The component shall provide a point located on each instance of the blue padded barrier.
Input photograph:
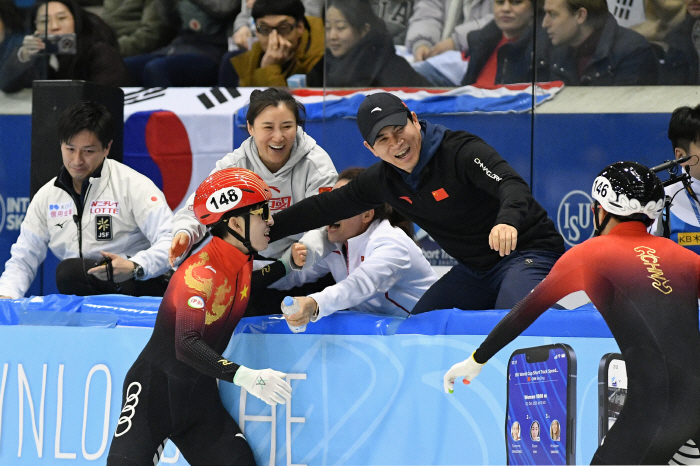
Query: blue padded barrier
(338, 323)
(584, 321)
(125, 310)
(120, 310)
(77, 311)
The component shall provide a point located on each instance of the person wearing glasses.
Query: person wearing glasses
(171, 392)
(288, 43)
(243, 26)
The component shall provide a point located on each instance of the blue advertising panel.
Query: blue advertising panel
(15, 161)
(366, 400)
(356, 400)
(60, 391)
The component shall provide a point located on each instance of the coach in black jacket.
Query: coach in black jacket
(460, 191)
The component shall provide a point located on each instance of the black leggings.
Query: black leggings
(72, 278)
(158, 406)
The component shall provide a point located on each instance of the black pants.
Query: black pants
(499, 288)
(158, 406)
(72, 278)
(661, 412)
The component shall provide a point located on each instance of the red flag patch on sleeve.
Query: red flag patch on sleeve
(440, 194)
(324, 189)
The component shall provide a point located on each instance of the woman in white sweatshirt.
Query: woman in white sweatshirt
(377, 267)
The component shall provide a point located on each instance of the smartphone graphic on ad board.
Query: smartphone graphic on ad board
(541, 411)
(612, 391)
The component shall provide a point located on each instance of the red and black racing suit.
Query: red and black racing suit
(646, 289)
(170, 392)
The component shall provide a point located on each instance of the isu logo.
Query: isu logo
(132, 399)
(575, 218)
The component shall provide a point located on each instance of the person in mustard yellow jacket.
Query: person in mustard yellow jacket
(289, 43)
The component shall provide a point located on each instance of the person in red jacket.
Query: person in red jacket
(646, 289)
(171, 390)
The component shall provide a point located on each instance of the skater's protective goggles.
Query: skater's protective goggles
(263, 211)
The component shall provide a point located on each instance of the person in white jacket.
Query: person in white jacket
(377, 267)
(95, 210)
(289, 161)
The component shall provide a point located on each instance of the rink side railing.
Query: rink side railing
(367, 390)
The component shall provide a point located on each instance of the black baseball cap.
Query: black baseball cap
(378, 111)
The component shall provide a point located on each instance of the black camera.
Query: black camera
(60, 44)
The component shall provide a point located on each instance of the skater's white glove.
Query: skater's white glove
(467, 369)
(267, 384)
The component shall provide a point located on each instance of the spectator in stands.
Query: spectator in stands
(360, 51)
(456, 188)
(395, 14)
(682, 220)
(661, 17)
(501, 52)
(681, 62)
(591, 49)
(289, 161)
(96, 57)
(289, 43)
(244, 26)
(11, 29)
(377, 267)
(95, 211)
(193, 57)
(139, 24)
(437, 26)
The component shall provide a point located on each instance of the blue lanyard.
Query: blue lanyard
(694, 205)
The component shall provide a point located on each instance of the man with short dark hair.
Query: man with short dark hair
(289, 43)
(682, 222)
(460, 191)
(591, 49)
(109, 225)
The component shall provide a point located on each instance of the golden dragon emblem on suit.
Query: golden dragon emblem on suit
(205, 286)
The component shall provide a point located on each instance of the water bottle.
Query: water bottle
(291, 306)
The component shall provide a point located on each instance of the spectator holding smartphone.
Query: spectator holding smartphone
(95, 56)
